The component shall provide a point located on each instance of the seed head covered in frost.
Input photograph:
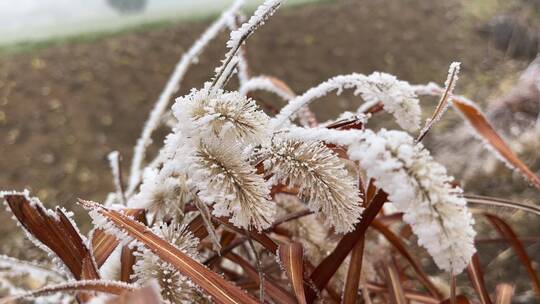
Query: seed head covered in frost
(321, 177)
(398, 98)
(162, 196)
(221, 114)
(223, 177)
(420, 187)
(174, 287)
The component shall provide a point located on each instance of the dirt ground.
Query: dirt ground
(64, 107)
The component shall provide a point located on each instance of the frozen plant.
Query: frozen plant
(239, 204)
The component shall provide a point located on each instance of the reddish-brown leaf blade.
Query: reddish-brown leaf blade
(482, 126)
(328, 267)
(291, 256)
(402, 249)
(278, 294)
(474, 270)
(507, 232)
(260, 237)
(103, 244)
(198, 228)
(127, 260)
(409, 294)
(460, 299)
(504, 294)
(55, 231)
(393, 283)
(353, 274)
(215, 286)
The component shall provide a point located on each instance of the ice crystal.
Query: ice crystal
(321, 178)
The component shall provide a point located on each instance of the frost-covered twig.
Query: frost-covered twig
(238, 37)
(172, 87)
(114, 162)
(243, 67)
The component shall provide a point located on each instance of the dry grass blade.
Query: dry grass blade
(206, 217)
(460, 299)
(146, 295)
(218, 288)
(103, 244)
(274, 291)
(261, 238)
(291, 256)
(56, 232)
(353, 274)
(393, 283)
(198, 227)
(493, 201)
(127, 260)
(393, 239)
(482, 126)
(504, 294)
(328, 267)
(410, 295)
(476, 276)
(506, 231)
(111, 287)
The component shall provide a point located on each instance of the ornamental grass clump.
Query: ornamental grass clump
(243, 206)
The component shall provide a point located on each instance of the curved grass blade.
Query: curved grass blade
(474, 270)
(393, 239)
(352, 282)
(221, 290)
(54, 230)
(493, 201)
(393, 283)
(291, 256)
(260, 237)
(460, 299)
(506, 231)
(103, 244)
(484, 129)
(278, 294)
(322, 274)
(127, 260)
(504, 294)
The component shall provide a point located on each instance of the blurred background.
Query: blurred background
(78, 78)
